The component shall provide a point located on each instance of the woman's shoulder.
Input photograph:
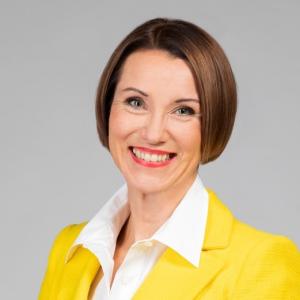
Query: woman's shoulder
(262, 252)
(246, 234)
(56, 258)
(241, 236)
(268, 263)
(64, 240)
(68, 234)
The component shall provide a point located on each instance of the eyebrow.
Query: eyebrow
(146, 95)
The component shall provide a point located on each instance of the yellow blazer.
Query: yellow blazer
(237, 262)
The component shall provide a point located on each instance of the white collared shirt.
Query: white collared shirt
(183, 231)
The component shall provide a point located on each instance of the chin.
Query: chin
(147, 185)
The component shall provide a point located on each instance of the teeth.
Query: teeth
(150, 157)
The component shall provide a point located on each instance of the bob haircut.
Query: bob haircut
(214, 79)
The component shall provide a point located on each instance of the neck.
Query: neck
(149, 211)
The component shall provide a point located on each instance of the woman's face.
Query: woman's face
(145, 116)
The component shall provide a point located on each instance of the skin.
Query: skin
(153, 193)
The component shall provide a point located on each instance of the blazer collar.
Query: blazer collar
(219, 224)
(79, 272)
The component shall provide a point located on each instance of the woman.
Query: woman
(166, 103)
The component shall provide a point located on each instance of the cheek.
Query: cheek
(115, 128)
(120, 125)
(188, 137)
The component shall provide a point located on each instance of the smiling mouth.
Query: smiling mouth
(151, 157)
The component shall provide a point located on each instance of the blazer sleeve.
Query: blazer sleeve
(271, 271)
(56, 257)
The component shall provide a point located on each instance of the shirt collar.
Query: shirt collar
(183, 231)
(100, 233)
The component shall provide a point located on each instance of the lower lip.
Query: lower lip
(151, 164)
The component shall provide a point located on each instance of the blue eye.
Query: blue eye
(135, 100)
(189, 110)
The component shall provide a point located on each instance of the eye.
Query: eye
(186, 110)
(134, 102)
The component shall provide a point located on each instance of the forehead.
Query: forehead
(152, 70)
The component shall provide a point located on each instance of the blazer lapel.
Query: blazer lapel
(173, 277)
(78, 275)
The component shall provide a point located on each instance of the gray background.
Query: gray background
(54, 171)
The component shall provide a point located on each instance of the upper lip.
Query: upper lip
(152, 151)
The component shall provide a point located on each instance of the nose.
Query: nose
(154, 130)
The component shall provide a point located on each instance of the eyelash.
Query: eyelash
(130, 99)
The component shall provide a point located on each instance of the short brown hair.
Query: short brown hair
(209, 65)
